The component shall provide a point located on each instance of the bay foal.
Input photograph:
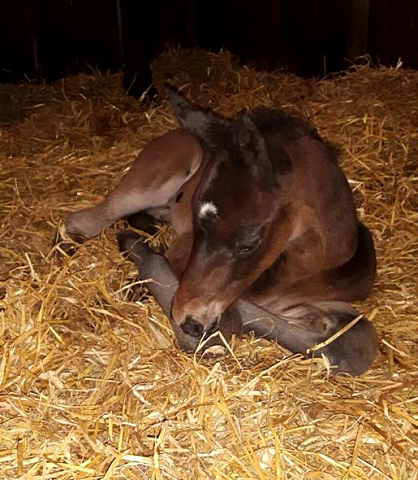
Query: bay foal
(268, 240)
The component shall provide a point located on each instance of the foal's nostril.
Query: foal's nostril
(192, 327)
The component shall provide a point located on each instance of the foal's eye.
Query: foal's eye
(243, 249)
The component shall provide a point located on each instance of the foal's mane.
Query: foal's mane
(273, 124)
(288, 127)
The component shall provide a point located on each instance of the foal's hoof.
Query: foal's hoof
(130, 243)
(132, 246)
(354, 351)
(67, 244)
(126, 239)
(144, 222)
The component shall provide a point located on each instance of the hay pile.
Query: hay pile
(91, 385)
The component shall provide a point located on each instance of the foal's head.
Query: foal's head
(241, 214)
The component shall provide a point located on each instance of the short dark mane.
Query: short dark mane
(271, 122)
(288, 127)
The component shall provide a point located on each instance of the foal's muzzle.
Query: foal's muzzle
(192, 327)
(195, 329)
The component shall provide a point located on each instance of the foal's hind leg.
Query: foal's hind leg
(153, 180)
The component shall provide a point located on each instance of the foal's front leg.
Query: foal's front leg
(164, 284)
(152, 181)
(299, 330)
(307, 328)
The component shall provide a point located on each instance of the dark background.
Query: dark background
(53, 38)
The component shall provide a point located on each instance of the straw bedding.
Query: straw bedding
(91, 383)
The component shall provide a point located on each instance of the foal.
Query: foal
(268, 240)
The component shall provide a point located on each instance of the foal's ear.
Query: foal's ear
(202, 122)
(254, 152)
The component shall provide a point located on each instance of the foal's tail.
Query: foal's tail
(333, 329)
